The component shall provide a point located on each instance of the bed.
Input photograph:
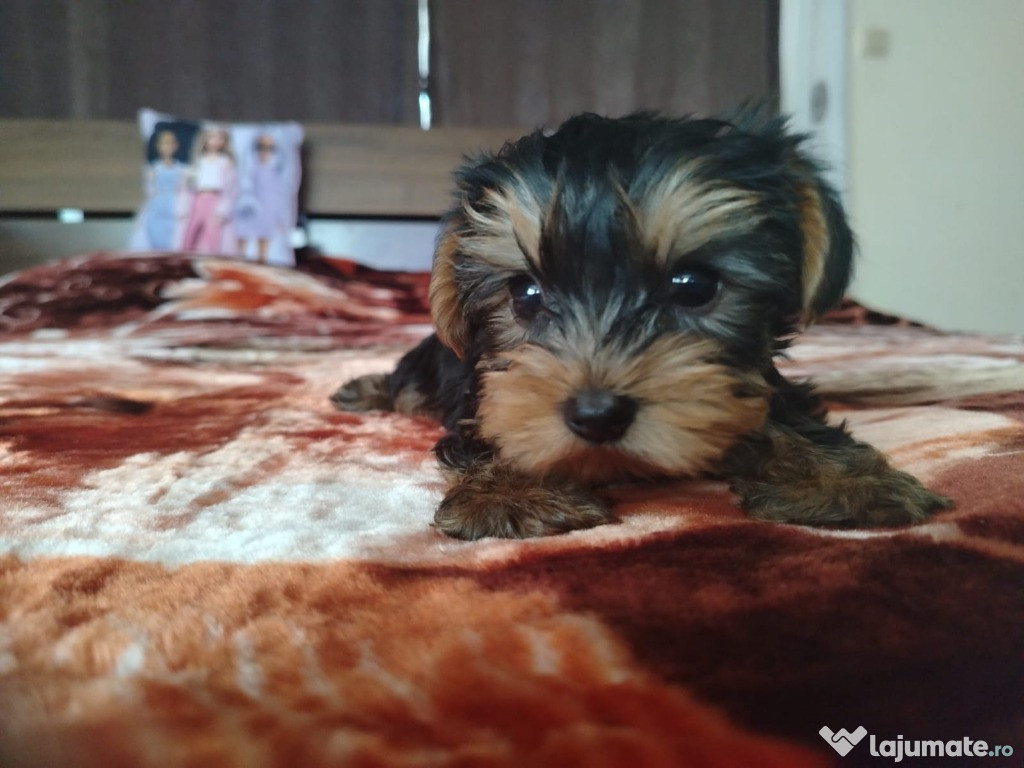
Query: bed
(203, 563)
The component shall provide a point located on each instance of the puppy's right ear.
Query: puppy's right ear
(444, 301)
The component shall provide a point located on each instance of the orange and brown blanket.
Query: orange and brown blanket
(203, 564)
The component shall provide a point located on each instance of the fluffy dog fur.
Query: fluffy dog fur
(608, 303)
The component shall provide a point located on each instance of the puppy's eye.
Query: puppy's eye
(694, 287)
(527, 298)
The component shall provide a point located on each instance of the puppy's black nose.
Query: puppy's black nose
(598, 415)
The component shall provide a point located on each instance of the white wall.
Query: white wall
(935, 173)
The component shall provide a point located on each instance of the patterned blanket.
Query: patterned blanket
(203, 564)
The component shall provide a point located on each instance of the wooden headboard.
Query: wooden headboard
(349, 170)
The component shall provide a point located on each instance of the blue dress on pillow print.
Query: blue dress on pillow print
(160, 217)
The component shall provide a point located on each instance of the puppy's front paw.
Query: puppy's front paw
(886, 497)
(490, 501)
(366, 393)
(783, 475)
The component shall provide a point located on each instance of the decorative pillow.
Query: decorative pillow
(219, 188)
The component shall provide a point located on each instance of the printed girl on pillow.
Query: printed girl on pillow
(165, 182)
(214, 183)
(160, 224)
(263, 211)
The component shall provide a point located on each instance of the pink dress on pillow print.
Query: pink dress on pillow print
(215, 185)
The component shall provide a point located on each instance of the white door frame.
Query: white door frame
(812, 77)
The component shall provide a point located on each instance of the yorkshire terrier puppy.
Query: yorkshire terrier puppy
(608, 301)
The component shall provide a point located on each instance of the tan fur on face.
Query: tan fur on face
(816, 244)
(684, 212)
(444, 297)
(504, 236)
(690, 412)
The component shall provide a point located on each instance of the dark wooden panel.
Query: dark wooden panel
(348, 61)
(533, 61)
(34, 60)
(496, 62)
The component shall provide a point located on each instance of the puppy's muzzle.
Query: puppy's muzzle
(598, 415)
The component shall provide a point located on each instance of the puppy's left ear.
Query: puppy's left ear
(828, 243)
